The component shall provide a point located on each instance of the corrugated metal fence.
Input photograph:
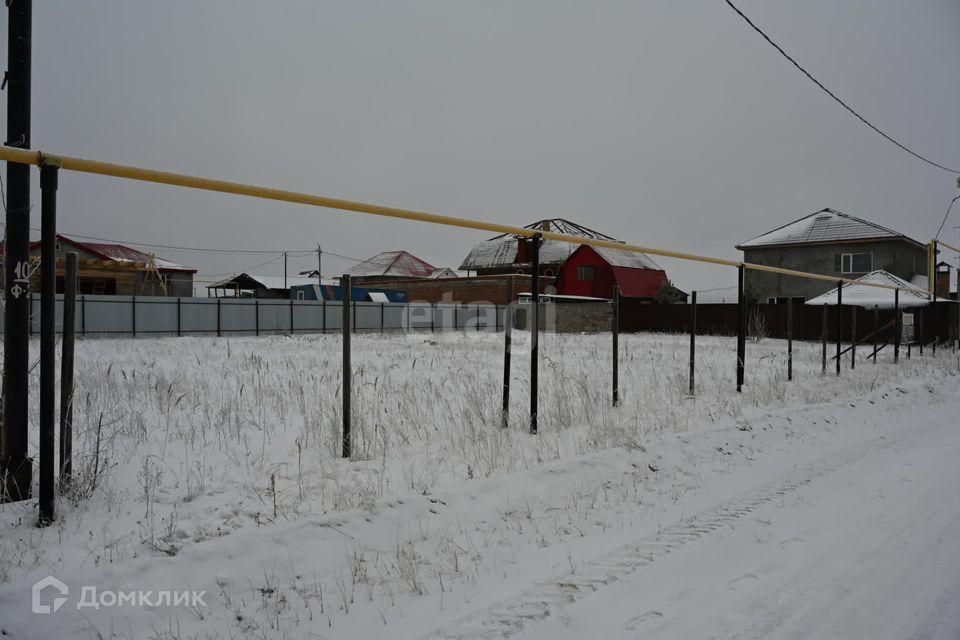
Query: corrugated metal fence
(136, 315)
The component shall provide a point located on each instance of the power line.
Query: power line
(291, 252)
(945, 216)
(176, 248)
(834, 96)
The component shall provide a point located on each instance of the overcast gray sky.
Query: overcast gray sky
(662, 123)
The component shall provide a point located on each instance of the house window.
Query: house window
(856, 262)
(585, 273)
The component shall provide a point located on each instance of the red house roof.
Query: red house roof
(114, 253)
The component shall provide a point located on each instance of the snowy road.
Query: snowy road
(830, 520)
(869, 549)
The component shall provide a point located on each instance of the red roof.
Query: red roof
(115, 253)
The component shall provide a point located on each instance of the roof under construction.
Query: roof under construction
(501, 251)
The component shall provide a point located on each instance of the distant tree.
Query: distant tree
(669, 294)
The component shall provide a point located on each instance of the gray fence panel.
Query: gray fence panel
(155, 315)
(367, 316)
(274, 316)
(101, 314)
(418, 316)
(334, 316)
(197, 315)
(394, 316)
(307, 316)
(238, 315)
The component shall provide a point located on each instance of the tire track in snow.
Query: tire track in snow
(511, 615)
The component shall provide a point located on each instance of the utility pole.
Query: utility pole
(16, 467)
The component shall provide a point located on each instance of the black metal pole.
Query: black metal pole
(291, 316)
(693, 339)
(839, 322)
(741, 328)
(823, 337)
(920, 313)
(347, 371)
(83, 316)
(876, 330)
(133, 315)
(896, 325)
(534, 332)
(933, 303)
(789, 339)
(285, 273)
(179, 318)
(66, 369)
(615, 331)
(256, 318)
(853, 337)
(48, 340)
(17, 468)
(507, 339)
(218, 318)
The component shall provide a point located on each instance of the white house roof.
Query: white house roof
(863, 296)
(623, 258)
(393, 263)
(823, 227)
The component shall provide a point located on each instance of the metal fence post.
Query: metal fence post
(133, 311)
(853, 337)
(218, 318)
(823, 336)
(693, 339)
(839, 322)
(179, 322)
(896, 326)
(291, 316)
(83, 316)
(615, 331)
(347, 371)
(381, 317)
(741, 329)
(876, 331)
(789, 339)
(535, 333)
(256, 318)
(920, 313)
(66, 369)
(933, 302)
(507, 338)
(48, 340)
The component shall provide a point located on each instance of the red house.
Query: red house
(592, 271)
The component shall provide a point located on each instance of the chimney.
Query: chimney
(942, 281)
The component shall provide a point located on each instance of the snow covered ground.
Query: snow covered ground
(821, 507)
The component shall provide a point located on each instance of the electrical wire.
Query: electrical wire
(945, 216)
(835, 97)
